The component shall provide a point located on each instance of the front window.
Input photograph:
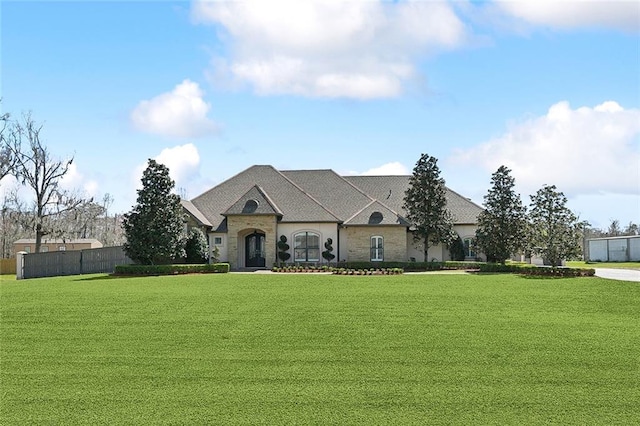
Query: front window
(377, 248)
(468, 248)
(306, 247)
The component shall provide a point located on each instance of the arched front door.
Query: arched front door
(254, 250)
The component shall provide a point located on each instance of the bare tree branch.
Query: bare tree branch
(37, 170)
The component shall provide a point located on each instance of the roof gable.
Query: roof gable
(291, 200)
(254, 202)
(194, 212)
(376, 213)
(390, 191)
(331, 190)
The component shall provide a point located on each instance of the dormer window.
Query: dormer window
(250, 206)
(375, 218)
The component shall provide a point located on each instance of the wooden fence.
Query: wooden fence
(74, 262)
(8, 266)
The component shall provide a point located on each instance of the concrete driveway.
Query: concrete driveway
(618, 274)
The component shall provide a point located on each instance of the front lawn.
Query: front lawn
(319, 349)
(615, 265)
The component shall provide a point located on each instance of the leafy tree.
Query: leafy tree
(154, 227)
(283, 248)
(327, 254)
(554, 228)
(196, 247)
(456, 249)
(36, 169)
(426, 204)
(502, 225)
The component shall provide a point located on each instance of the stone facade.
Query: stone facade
(359, 237)
(242, 225)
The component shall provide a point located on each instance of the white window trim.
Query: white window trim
(307, 233)
(379, 251)
(468, 250)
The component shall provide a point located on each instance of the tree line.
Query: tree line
(547, 228)
(51, 211)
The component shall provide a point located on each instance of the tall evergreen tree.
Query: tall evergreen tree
(426, 204)
(196, 247)
(154, 227)
(554, 229)
(502, 225)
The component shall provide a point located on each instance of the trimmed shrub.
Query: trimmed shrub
(171, 269)
(328, 253)
(283, 248)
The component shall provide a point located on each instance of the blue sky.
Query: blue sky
(550, 89)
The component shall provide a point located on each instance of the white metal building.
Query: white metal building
(615, 249)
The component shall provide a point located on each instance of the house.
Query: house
(246, 215)
(29, 244)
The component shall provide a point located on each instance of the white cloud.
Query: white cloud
(581, 151)
(389, 169)
(73, 180)
(183, 162)
(331, 49)
(568, 14)
(181, 113)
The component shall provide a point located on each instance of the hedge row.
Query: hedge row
(302, 268)
(171, 269)
(513, 268)
(532, 270)
(410, 266)
(371, 271)
(337, 271)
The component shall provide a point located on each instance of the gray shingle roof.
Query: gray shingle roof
(376, 213)
(293, 202)
(330, 189)
(193, 211)
(316, 196)
(390, 190)
(255, 202)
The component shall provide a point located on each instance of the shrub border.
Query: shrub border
(154, 270)
(364, 268)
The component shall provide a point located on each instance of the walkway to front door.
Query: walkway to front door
(254, 250)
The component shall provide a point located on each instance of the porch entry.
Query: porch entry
(254, 256)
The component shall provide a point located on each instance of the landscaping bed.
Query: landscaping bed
(137, 270)
(395, 268)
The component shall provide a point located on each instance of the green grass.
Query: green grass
(616, 265)
(309, 349)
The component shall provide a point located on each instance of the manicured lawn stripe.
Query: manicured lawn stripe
(309, 349)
